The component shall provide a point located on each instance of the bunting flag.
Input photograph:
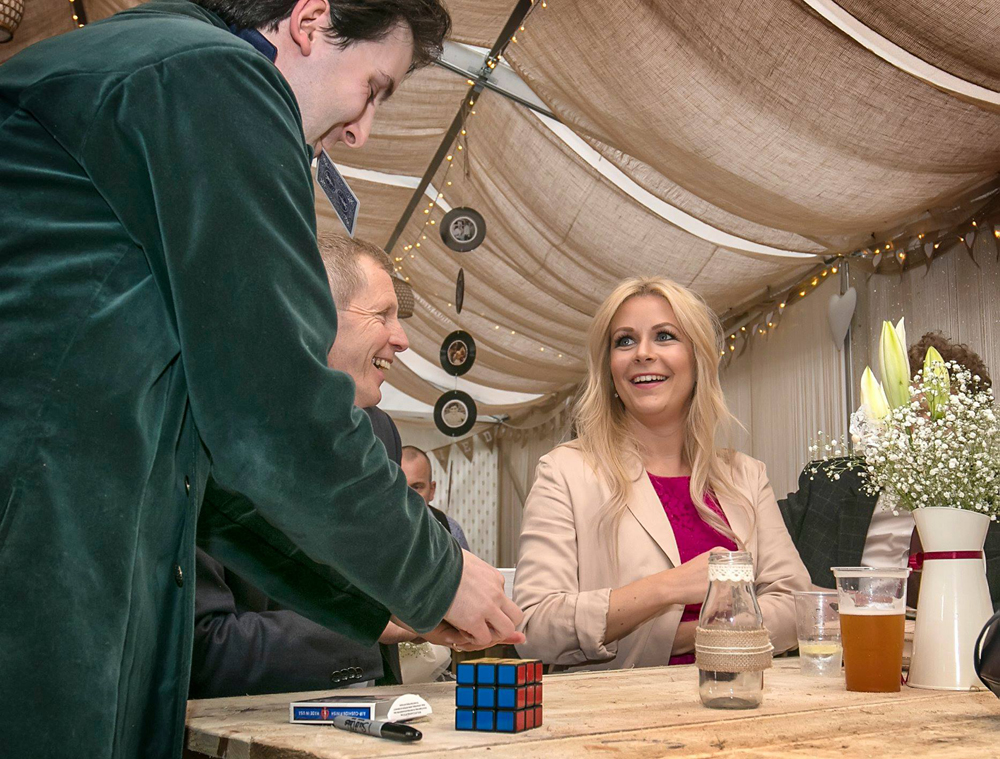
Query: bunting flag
(442, 455)
(467, 447)
(487, 437)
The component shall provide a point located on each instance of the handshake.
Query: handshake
(480, 615)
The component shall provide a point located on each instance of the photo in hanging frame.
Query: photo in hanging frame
(455, 413)
(463, 229)
(458, 353)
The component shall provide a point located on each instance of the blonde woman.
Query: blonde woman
(619, 523)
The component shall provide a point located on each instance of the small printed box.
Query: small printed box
(465, 719)
(485, 719)
(465, 695)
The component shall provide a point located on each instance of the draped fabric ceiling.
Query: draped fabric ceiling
(761, 120)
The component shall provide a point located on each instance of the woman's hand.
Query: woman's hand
(687, 583)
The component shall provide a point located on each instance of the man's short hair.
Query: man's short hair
(351, 21)
(342, 258)
(412, 450)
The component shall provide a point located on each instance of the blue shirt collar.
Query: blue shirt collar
(258, 40)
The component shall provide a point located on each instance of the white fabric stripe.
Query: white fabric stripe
(664, 210)
(896, 56)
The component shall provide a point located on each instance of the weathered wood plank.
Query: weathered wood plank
(648, 712)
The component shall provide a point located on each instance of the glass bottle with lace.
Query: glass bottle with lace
(732, 646)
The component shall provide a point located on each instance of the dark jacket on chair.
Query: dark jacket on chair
(828, 520)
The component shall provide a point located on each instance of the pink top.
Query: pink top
(693, 535)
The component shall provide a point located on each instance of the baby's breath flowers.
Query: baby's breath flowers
(941, 447)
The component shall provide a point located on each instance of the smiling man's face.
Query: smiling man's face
(369, 334)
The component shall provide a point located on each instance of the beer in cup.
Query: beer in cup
(872, 607)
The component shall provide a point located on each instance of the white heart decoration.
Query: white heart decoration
(840, 312)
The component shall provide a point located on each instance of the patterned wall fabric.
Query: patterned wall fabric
(467, 492)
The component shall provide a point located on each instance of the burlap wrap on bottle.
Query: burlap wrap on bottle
(732, 650)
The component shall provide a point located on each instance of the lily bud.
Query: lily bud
(873, 398)
(937, 383)
(894, 364)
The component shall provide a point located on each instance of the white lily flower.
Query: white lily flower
(894, 364)
(873, 398)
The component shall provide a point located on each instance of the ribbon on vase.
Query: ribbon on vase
(916, 561)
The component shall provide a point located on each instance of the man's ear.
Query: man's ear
(431, 491)
(308, 19)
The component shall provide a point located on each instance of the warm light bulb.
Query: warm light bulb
(542, 350)
(834, 269)
(448, 183)
(743, 329)
(418, 244)
(781, 305)
(824, 272)
(802, 293)
(432, 222)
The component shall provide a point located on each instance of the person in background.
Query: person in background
(619, 524)
(417, 468)
(244, 642)
(835, 523)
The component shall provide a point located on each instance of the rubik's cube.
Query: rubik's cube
(499, 695)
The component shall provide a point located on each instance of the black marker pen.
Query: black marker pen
(394, 731)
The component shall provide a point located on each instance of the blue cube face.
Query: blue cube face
(465, 695)
(464, 719)
(486, 698)
(506, 698)
(505, 722)
(506, 674)
(484, 719)
(486, 674)
(466, 674)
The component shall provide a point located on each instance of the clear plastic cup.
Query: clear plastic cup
(817, 623)
(872, 606)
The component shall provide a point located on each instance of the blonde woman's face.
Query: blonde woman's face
(652, 361)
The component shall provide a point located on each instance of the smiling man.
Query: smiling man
(164, 326)
(244, 642)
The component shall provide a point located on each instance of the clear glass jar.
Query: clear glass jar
(734, 628)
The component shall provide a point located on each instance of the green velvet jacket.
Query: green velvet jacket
(164, 324)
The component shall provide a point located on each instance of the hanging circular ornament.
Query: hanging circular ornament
(458, 353)
(463, 229)
(455, 413)
(460, 291)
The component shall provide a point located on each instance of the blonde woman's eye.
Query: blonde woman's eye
(665, 336)
(623, 341)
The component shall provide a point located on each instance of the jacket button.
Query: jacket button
(178, 575)
(187, 485)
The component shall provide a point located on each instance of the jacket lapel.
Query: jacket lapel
(645, 506)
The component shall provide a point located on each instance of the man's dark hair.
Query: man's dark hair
(351, 20)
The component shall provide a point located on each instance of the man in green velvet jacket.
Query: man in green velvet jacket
(164, 325)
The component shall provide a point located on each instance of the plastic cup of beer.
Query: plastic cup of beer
(872, 606)
(817, 623)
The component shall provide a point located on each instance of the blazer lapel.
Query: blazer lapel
(644, 504)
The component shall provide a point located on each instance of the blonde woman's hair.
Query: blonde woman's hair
(602, 421)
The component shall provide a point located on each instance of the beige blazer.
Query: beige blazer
(565, 573)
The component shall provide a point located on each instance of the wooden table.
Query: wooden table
(644, 712)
